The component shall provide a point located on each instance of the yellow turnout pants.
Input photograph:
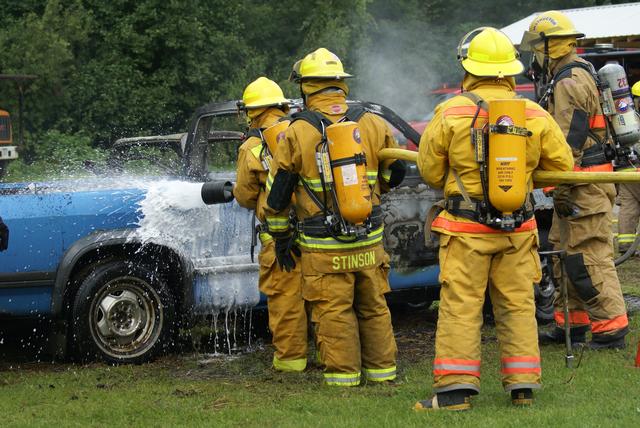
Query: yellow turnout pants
(595, 297)
(508, 265)
(287, 315)
(350, 315)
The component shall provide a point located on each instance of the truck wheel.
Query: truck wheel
(123, 313)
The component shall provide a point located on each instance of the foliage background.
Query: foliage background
(134, 67)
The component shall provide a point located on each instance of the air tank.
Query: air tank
(273, 134)
(507, 163)
(349, 170)
(618, 105)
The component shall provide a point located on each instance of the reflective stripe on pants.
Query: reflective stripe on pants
(614, 324)
(576, 318)
(443, 366)
(342, 379)
(290, 365)
(626, 238)
(380, 375)
(513, 365)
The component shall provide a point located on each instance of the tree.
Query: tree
(131, 67)
(42, 45)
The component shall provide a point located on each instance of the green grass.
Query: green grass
(244, 391)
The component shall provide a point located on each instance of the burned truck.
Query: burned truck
(120, 261)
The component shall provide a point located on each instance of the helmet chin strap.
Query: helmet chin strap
(545, 64)
(303, 95)
(540, 72)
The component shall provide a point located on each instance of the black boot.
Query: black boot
(522, 397)
(556, 336)
(609, 341)
(459, 399)
(614, 344)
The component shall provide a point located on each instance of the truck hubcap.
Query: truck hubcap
(126, 317)
(121, 315)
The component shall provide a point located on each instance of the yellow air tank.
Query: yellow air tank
(271, 134)
(349, 168)
(507, 155)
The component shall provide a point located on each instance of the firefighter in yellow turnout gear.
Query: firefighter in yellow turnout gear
(344, 266)
(629, 215)
(265, 105)
(474, 252)
(629, 196)
(583, 212)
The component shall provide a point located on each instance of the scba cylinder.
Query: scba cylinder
(622, 114)
(274, 133)
(507, 155)
(349, 168)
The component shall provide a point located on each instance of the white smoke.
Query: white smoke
(398, 70)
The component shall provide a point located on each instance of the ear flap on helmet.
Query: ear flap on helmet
(295, 75)
(529, 40)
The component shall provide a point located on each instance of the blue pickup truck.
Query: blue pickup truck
(120, 261)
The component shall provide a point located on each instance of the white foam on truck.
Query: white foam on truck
(216, 238)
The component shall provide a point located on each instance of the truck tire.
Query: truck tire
(123, 313)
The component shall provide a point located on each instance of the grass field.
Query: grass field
(197, 390)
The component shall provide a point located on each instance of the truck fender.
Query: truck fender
(106, 239)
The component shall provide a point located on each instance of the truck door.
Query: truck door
(27, 268)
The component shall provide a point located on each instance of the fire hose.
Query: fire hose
(630, 252)
(216, 192)
(540, 178)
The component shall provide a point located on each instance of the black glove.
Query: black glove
(285, 247)
(4, 235)
(562, 202)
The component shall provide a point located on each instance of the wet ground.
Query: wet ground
(24, 342)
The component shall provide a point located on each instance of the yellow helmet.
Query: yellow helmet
(547, 25)
(263, 92)
(490, 53)
(319, 64)
(635, 89)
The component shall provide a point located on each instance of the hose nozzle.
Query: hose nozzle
(217, 192)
